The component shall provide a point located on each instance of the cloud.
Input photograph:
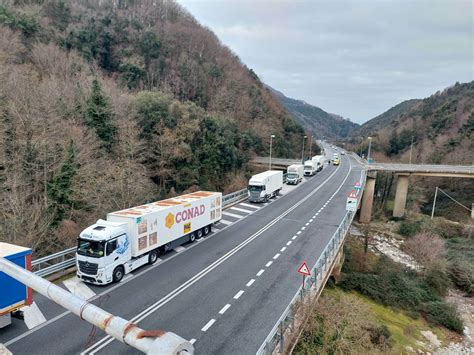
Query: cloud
(356, 59)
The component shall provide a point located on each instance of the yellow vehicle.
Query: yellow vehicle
(335, 159)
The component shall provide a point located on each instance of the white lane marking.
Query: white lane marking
(214, 229)
(240, 209)
(223, 221)
(298, 233)
(78, 288)
(224, 213)
(307, 224)
(283, 249)
(294, 237)
(225, 308)
(250, 283)
(192, 341)
(249, 205)
(268, 264)
(303, 228)
(32, 316)
(102, 343)
(276, 256)
(179, 249)
(208, 325)
(238, 294)
(260, 272)
(311, 220)
(317, 214)
(288, 243)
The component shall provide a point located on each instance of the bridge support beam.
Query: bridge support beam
(367, 200)
(401, 196)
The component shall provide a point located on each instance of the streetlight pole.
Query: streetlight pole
(370, 145)
(411, 149)
(311, 146)
(434, 203)
(302, 150)
(270, 163)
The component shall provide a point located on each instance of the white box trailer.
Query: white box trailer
(320, 160)
(265, 185)
(294, 174)
(310, 167)
(130, 238)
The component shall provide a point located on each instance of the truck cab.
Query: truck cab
(103, 250)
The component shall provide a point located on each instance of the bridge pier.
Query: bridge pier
(401, 195)
(367, 199)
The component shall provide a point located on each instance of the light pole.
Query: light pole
(411, 149)
(370, 145)
(311, 146)
(302, 150)
(270, 163)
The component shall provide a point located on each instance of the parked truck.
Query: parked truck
(320, 160)
(265, 185)
(310, 167)
(294, 174)
(13, 294)
(130, 238)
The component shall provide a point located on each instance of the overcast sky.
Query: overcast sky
(354, 58)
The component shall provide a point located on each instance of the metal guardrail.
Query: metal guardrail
(314, 283)
(234, 197)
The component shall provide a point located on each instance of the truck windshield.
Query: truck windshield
(291, 176)
(256, 188)
(90, 248)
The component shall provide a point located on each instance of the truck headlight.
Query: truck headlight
(100, 272)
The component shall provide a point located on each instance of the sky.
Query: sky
(353, 58)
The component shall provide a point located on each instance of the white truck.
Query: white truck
(130, 238)
(320, 160)
(265, 185)
(294, 174)
(310, 167)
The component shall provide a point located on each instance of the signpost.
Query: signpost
(357, 187)
(304, 270)
(351, 204)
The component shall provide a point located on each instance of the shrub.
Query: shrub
(438, 279)
(444, 314)
(409, 228)
(462, 274)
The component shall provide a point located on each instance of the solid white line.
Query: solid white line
(299, 232)
(268, 264)
(249, 205)
(294, 237)
(223, 221)
(224, 213)
(192, 341)
(276, 256)
(163, 301)
(208, 325)
(240, 209)
(250, 283)
(225, 308)
(238, 294)
(289, 242)
(283, 249)
(179, 249)
(260, 272)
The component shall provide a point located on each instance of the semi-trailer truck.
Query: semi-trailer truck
(13, 294)
(265, 185)
(133, 237)
(310, 167)
(294, 174)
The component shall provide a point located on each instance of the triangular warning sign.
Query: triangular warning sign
(303, 269)
(357, 184)
(352, 194)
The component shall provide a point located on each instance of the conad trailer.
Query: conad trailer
(319, 159)
(136, 236)
(310, 167)
(13, 294)
(265, 185)
(294, 174)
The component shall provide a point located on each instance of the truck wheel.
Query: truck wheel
(199, 234)
(192, 237)
(118, 274)
(152, 257)
(207, 230)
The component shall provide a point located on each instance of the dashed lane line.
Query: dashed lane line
(225, 308)
(250, 283)
(238, 294)
(208, 325)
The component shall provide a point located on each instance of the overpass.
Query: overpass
(277, 163)
(230, 292)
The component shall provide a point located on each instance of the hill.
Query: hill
(109, 104)
(441, 126)
(316, 120)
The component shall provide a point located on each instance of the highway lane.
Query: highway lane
(71, 335)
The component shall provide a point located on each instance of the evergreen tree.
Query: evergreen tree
(60, 186)
(99, 116)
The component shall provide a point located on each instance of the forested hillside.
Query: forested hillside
(316, 120)
(109, 104)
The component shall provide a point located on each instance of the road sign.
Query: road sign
(303, 269)
(351, 203)
(357, 186)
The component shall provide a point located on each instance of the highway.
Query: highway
(225, 292)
